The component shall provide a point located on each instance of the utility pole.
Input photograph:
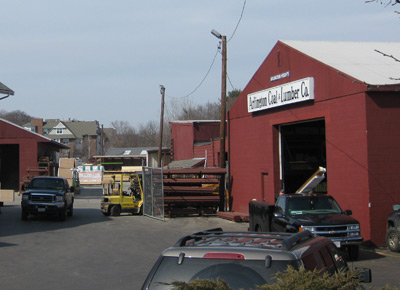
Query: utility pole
(223, 105)
(162, 88)
(102, 140)
(222, 126)
(223, 99)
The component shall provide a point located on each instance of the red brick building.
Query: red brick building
(330, 104)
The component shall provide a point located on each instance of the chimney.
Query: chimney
(38, 123)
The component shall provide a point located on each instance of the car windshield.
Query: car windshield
(46, 183)
(319, 204)
(244, 274)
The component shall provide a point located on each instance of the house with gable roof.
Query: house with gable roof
(82, 137)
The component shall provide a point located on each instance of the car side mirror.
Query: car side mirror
(364, 274)
(23, 187)
(72, 189)
(278, 215)
(348, 212)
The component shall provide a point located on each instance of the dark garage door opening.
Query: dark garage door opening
(303, 150)
(9, 166)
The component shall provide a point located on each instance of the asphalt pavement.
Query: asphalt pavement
(92, 251)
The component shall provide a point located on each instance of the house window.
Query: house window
(65, 141)
(59, 130)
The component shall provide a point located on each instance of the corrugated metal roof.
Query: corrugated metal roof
(357, 59)
(131, 151)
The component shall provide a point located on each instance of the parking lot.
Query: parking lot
(91, 251)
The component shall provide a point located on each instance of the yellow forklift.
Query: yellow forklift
(123, 194)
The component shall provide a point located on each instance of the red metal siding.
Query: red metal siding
(182, 139)
(347, 157)
(209, 151)
(185, 134)
(205, 131)
(383, 111)
(28, 156)
(29, 144)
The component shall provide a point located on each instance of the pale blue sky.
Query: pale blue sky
(104, 60)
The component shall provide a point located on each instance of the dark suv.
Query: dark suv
(47, 195)
(243, 259)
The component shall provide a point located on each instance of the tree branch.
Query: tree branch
(390, 56)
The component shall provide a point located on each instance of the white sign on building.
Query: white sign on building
(290, 93)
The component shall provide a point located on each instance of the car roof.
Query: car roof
(283, 246)
(247, 253)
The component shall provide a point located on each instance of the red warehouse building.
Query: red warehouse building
(330, 104)
(196, 140)
(22, 153)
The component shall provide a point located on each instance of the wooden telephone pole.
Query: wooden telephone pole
(222, 126)
(223, 105)
(162, 88)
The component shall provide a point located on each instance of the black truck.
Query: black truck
(318, 213)
(47, 195)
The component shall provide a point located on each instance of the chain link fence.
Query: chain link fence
(153, 192)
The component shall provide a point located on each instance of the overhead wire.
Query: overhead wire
(202, 81)
(215, 56)
(240, 19)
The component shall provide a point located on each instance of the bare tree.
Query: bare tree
(386, 3)
(392, 57)
(17, 117)
(149, 134)
(124, 134)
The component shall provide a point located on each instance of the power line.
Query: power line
(233, 88)
(240, 19)
(215, 56)
(204, 78)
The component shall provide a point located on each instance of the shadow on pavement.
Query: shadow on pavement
(86, 211)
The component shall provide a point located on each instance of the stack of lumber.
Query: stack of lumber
(193, 191)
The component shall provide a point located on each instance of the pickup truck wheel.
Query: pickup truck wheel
(115, 210)
(353, 251)
(393, 240)
(24, 215)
